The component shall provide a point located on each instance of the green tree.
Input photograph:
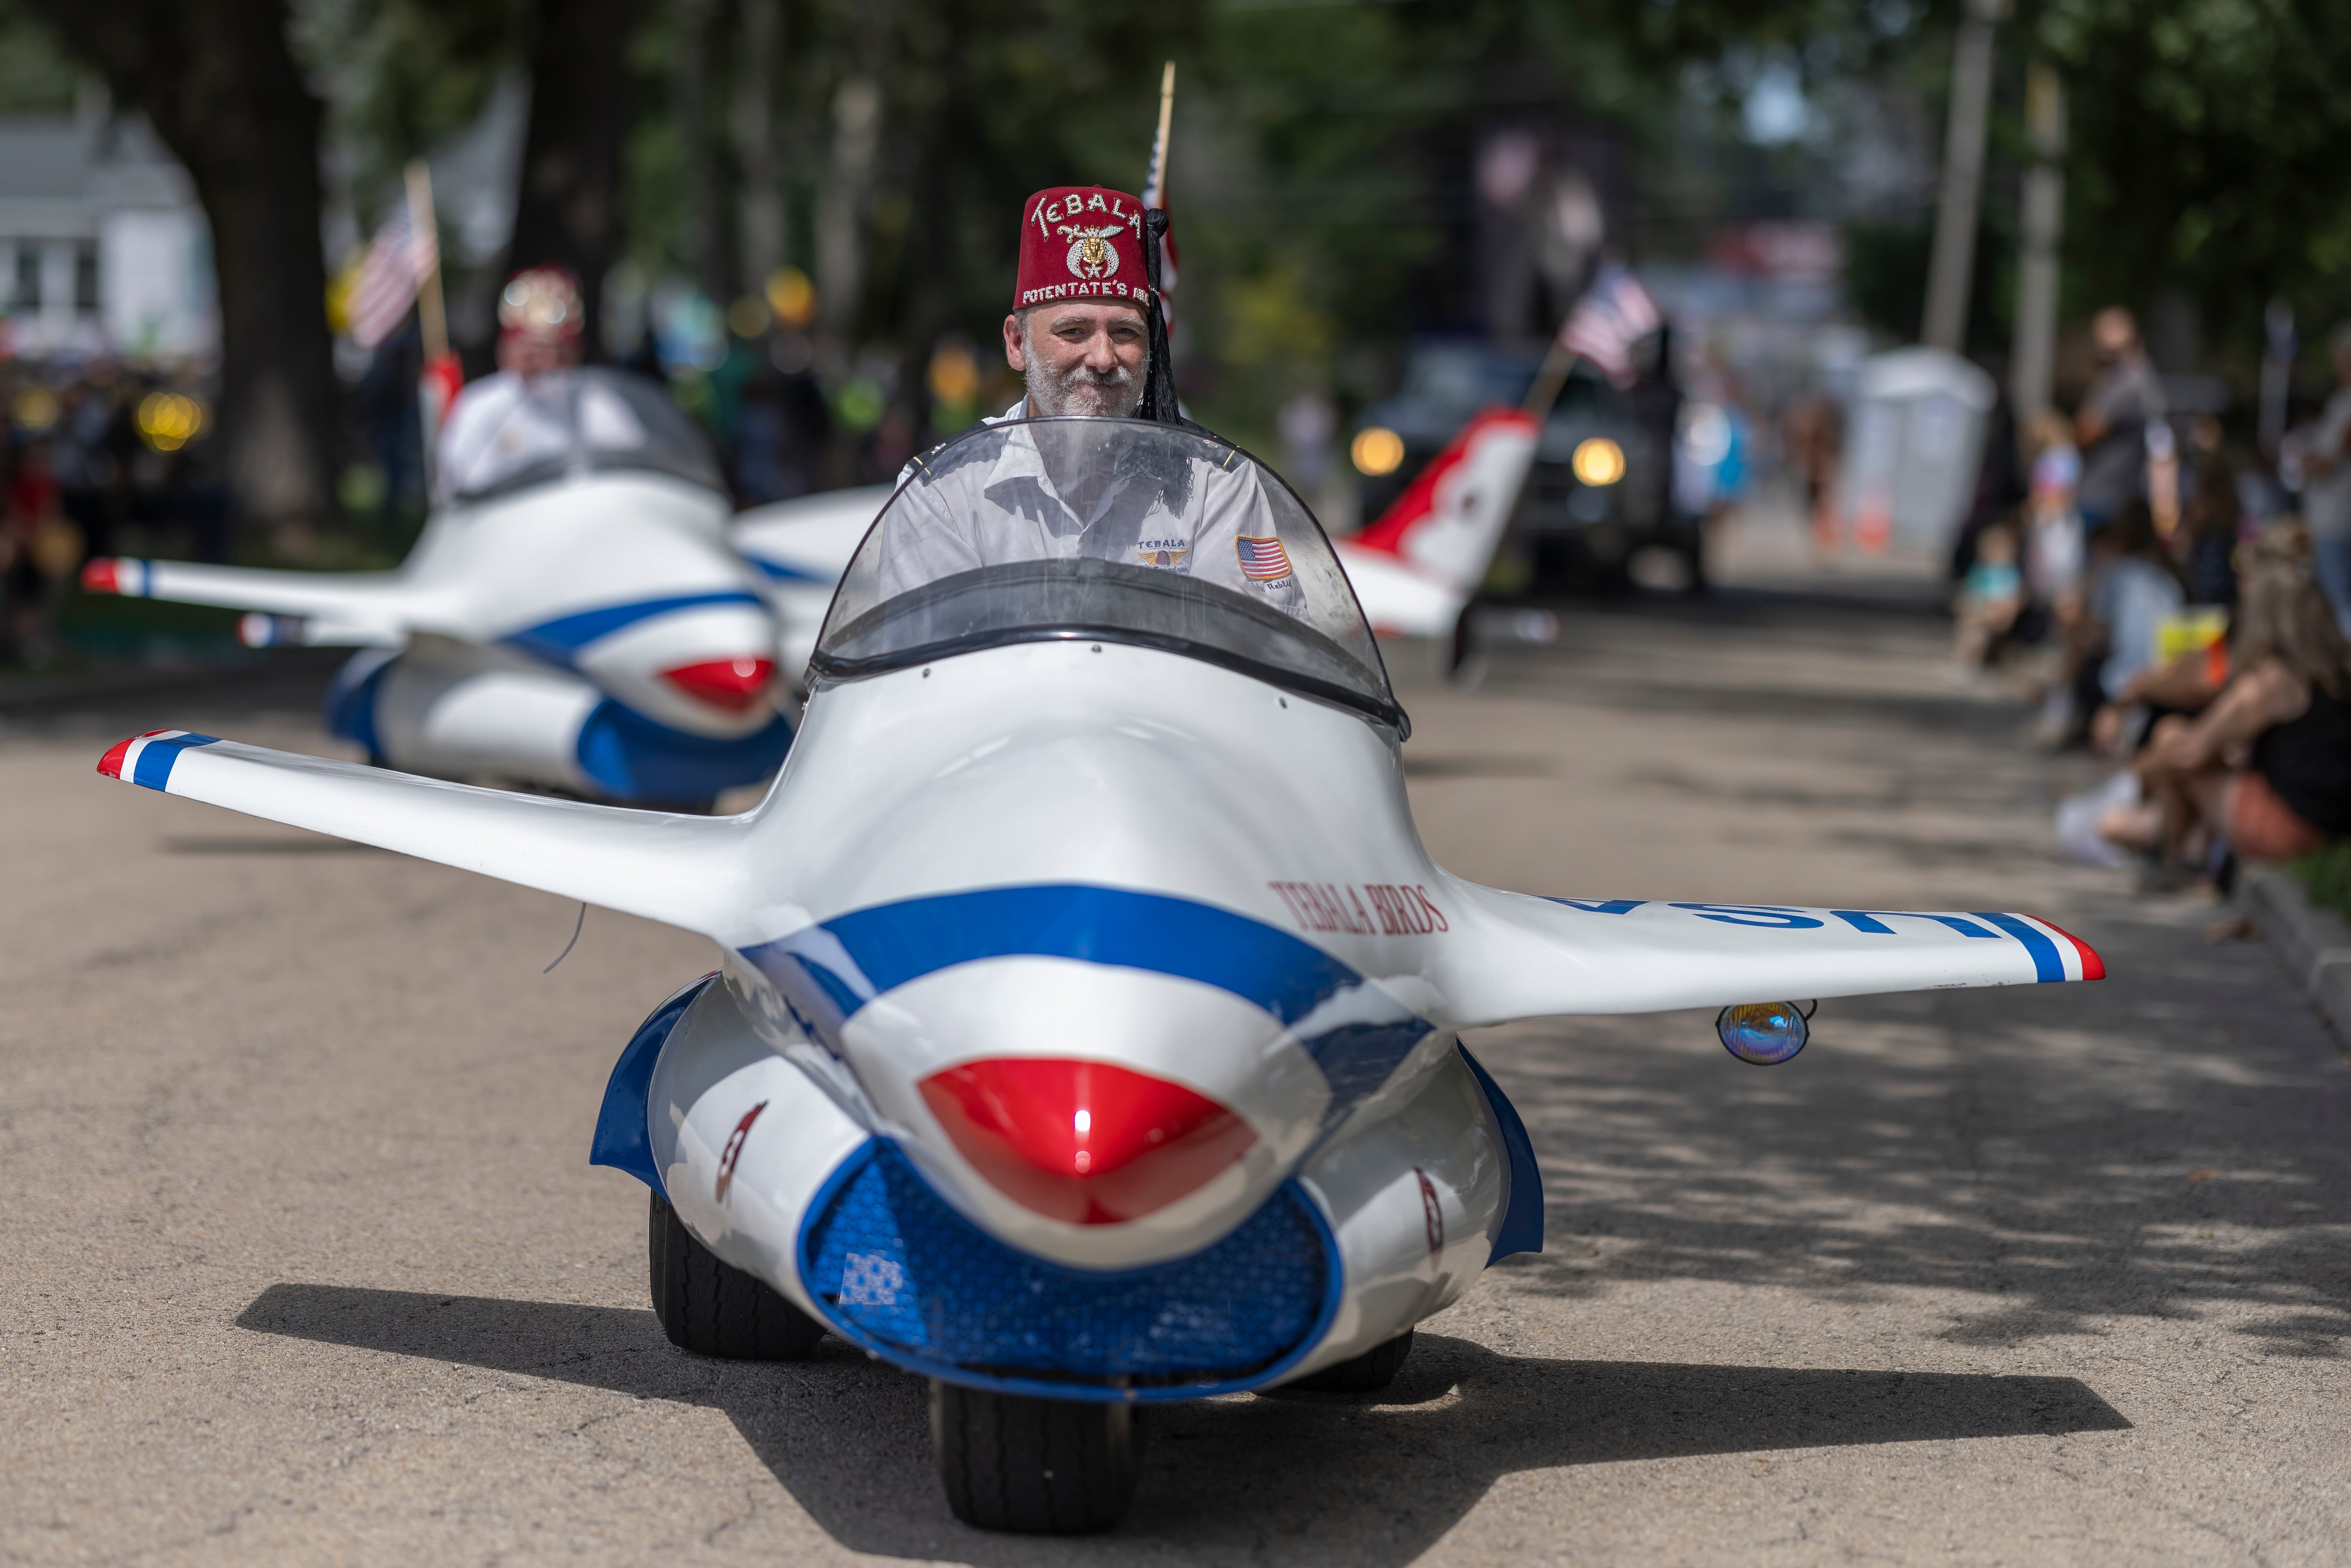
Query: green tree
(2206, 153)
(218, 80)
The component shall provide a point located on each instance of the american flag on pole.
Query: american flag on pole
(398, 261)
(1614, 314)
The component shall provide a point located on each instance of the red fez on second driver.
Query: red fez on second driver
(1081, 242)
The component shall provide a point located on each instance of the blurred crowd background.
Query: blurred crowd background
(1880, 237)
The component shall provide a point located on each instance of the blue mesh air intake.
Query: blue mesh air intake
(899, 1272)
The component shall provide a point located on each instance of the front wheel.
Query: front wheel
(715, 1308)
(1042, 1467)
(1366, 1373)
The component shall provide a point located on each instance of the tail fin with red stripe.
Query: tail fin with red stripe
(1449, 520)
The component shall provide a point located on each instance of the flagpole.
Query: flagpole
(429, 312)
(440, 378)
(1559, 363)
(1154, 192)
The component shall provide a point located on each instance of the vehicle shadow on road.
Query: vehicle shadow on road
(1360, 1479)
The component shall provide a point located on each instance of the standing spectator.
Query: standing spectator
(1999, 486)
(1306, 421)
(85, 455)
(756, 457)
(390, 410)
(1813, 434)
(2112, 426)
(45, 553)
(2326, 483)
(2052, 552)
(2208, 536)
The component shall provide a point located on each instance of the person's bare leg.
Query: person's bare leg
(2212, 795)
(2138, 826)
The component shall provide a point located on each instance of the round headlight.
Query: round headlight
(1376, 451)
(1598, 461)
(1763, 1033)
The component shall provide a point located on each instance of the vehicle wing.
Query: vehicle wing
(1512, 955)
(686, 872)
(374, 600)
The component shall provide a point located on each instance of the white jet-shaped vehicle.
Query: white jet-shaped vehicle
(1087, 1029)
(575, 619)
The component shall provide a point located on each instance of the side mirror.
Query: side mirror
(1765, 1033)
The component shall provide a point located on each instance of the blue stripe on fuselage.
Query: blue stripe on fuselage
(831, 970)
(559, 642)
(153, 769)
(782, 573)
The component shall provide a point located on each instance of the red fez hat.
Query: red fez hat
(1081, 242)
(541, 303)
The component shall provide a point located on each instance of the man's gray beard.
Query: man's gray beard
(1079, 390)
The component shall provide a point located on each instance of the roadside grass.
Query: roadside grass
(2326, 875)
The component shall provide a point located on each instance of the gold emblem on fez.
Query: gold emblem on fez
(1091, 253)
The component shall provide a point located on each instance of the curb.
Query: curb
(2312, 944)
(115, 685)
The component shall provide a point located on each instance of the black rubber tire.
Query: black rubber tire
(1366, 1373)
(1040, 1467)
(715, 1308)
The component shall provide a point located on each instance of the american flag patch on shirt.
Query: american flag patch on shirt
(1263, 560)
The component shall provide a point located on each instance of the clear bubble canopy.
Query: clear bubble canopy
(1109, 530)
(511, 433)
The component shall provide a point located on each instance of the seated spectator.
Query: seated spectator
(2184, 684)
(2264, 772)
(1991, 596)
(2134, 587)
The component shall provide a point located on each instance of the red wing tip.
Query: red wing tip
(2092, 967)
(99, 576)
(110, 765)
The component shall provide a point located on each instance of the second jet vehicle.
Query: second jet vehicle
(575, 621)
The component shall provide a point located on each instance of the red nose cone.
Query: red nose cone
(1085, 1141)
(735, 684)
(101, 576)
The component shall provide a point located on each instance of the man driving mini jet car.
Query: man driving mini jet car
(1088, 1029)
(1082, 339)
(572, 618)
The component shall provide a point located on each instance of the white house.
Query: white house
(103, 248)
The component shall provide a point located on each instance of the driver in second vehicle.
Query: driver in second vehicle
(1078, 334)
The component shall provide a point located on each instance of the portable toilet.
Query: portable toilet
(1915, 439)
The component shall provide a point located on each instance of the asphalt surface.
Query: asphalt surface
(302, 1259)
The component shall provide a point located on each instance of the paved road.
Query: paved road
(301, 1261)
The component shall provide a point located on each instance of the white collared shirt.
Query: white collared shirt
(1216, 528)
(505, 423)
